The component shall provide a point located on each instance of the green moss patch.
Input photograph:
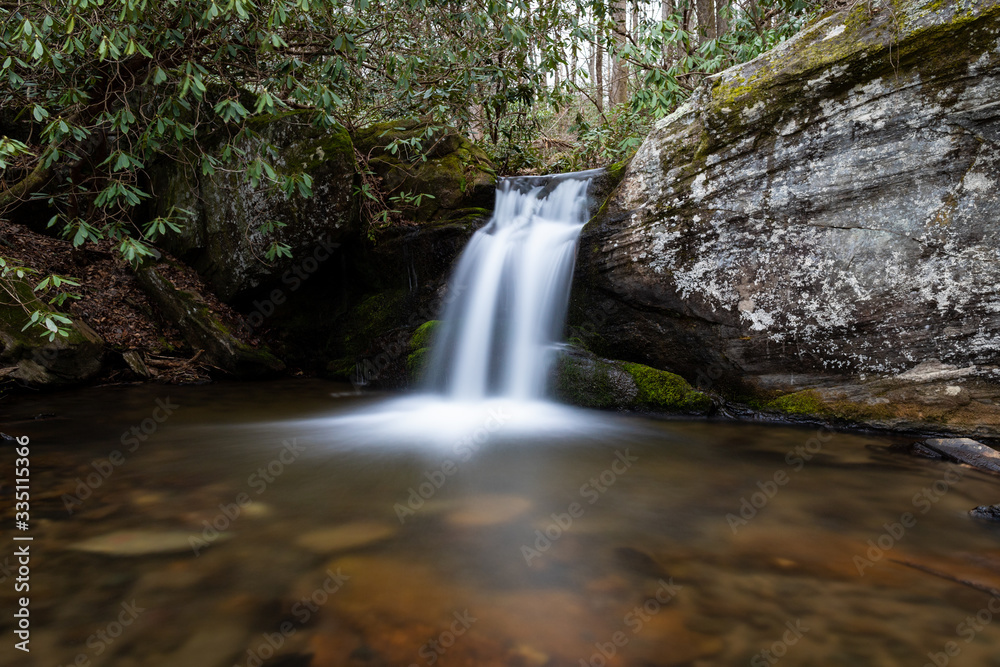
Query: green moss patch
(424, 335)
(416, 363)
(662, 390)
(810, 403)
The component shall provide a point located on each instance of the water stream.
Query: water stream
(550, 540)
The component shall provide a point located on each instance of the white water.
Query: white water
(505, 311)
(507, 298)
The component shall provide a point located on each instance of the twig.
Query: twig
(944, 575)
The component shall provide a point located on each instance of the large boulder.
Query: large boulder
(822, 220)
(454, 178)
(223, 241)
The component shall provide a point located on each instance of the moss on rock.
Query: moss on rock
(424, 335)
(815, 404)
(805, 402)
(416, 363)
(585, 382)
(584, 379)
(449, 170)
(662, 390)
(224, 240)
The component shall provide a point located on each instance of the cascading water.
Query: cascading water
(508, 295)
(506, 303)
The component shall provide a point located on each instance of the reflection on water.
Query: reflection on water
(277, 524)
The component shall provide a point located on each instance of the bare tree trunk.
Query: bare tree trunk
(721, 21)
(599, 70)
(573, 55)
(618, 90)
(635, 73)
(706, 19)
(669, 51)
(686, 19)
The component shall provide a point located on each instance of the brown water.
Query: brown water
(640, 566)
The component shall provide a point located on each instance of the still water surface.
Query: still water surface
(522, 536)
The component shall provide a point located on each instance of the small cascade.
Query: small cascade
(507, 299)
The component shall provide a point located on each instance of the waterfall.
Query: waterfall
(507, 299)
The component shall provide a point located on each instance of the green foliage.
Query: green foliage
(603, 143)
(99, 90)
(49, 322)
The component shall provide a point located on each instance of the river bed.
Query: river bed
(296, 523)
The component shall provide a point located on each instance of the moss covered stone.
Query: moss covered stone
(420, 345)
(416, 364)
(584, 379)
(805, 402)
(588, 383)
(223, 239)
(450, 171)
(424, 335)
(662, 390)
(752, 240)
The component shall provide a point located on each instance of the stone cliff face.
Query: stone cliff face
(823, 218)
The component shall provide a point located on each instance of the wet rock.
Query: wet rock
(582, 378)
(420, 349)
(802, 224)
(967, 451)
(139, 543)
(217, 643)
(204, 329)
(638, 562)
(986, 512)
(347, 536)
(529, 656)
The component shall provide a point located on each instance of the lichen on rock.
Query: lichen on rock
(822, 216)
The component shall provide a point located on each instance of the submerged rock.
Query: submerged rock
(347, 536)
(967, 451)
(488, 510)
(139, 543)
(820, 218)
(986, 512)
